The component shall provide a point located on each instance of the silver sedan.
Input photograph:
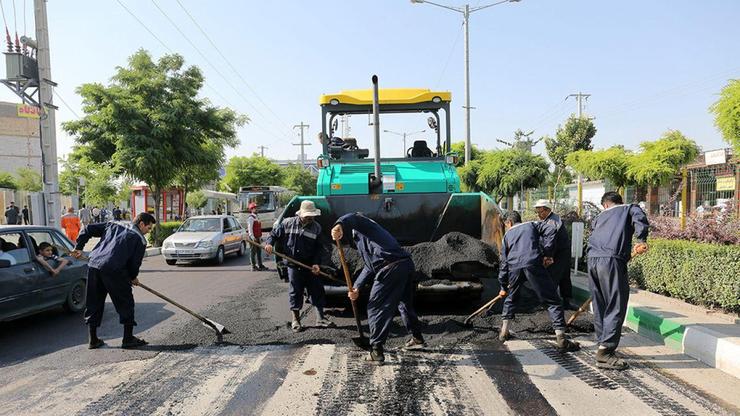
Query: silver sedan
(205, 237)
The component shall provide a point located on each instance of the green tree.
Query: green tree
(254, 170)
(503, 173)
(29, 180)
(660, 161)
(727, 114)
(7, 181)
(202, 171)
(124, 191)
(610, 164)
(575, 135)
(299, 179)
(150, 122)
(459, 148)
(100, 187)
(196, 200)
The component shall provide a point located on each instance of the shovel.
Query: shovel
(485, 308)
(294, 261)
(360, 341)
(220, 329)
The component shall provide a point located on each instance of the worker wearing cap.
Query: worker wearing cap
(608, 253)
(300, 237)
(556, 249)
(522, 261)
(254, 229)
(390, 268)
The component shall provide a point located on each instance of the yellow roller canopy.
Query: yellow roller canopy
(386, 96)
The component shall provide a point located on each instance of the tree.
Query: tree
(459, 148)
(203, 171)
(503, 173)
(196, 200)
(299, 179)
(575, 135)
(254, 170)
(150, 122)
(727, 114)
(29, 180)
(7, 181)
(660, 161)
(610, 164)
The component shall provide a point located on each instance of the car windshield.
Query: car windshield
(201, 225)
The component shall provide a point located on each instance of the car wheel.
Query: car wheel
(171, 262)
(76, 297)
(242, 249)
(219, 259)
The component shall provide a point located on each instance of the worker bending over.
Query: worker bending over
(608, 253)
(390, 268)
(521, 260)
(300, 237)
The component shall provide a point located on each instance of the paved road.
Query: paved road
(265, 369)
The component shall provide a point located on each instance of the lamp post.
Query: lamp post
(404, 134)
(466, 10)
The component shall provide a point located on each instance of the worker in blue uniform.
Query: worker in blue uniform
(391, 269)
(522, 260)
(112, 270)
(556, 250)
(608, 253)
(299, 236)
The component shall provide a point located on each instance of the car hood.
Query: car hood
(188, 237)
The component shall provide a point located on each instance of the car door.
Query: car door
(18, 290)
(52, 289)
(238, 233)
(226, 232)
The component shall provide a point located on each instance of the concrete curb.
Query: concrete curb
(153, 251)
(714, 348)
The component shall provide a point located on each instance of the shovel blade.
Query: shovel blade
(217, 326)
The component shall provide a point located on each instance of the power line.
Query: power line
(449, 58)
(144, 26)
(66, 105)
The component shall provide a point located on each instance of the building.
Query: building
(172, 203)
(19, 137)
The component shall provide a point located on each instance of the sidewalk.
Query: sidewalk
(710, 337)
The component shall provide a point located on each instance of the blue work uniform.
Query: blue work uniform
(556, 244)
(609, 250)
(392, 269)
(113, 264)
(521, 260)
(301, 242)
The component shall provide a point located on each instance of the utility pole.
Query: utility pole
(262, 150)
(580, 98)
(50, 167)
(302, 143)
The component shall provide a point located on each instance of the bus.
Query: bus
(270, 200)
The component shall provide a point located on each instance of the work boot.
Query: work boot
(376, 354)
(263, 268)
(255, 269)
(504, 334)
(296, 326)
(129, 340)
(565, 344)
(415, 342)
(94, 341)
(325, 323)
(607, 358)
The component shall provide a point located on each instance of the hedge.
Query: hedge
(162, 231)
(699, 273)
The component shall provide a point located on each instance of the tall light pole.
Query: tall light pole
(466, 11)
(404, 135)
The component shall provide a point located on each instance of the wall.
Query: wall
(19, 139)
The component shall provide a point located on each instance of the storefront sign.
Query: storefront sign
(715, 157)
(28, 111)
(726, 183)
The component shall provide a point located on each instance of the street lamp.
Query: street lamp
(404, 134)
(466, 10)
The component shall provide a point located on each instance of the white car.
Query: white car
(206, 237)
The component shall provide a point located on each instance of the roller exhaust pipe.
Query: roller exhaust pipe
(375, 184)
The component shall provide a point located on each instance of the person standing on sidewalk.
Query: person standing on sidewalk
(254, 229)
(11, 214)
(71, 224)
(391, 270)
(608, 253)
(26, 216)
(556, 250)
(300, 237)
(522, 261)
(84, 214)
(113, 269)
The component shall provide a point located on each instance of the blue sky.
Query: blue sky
(649, 65)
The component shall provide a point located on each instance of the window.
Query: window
(15, 246)
(60, 245)
(235, 226)
(227, 227)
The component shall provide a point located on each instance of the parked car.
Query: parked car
(25, 286)
(205, 237)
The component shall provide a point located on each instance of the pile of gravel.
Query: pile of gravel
(455, 256)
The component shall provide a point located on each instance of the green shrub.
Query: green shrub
(162, 231)
(699, 273)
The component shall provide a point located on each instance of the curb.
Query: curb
(153, 251)
(715, 349)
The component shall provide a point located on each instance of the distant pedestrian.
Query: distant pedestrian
(389, 269)
(84, 215)
(556, 250)
(522, 261)
(117, 214)
(113, 270)
(11, 214)
(71, 224)
(25, 212)
(254, 229)
(608, 253)
(300, 237)
(96, 215)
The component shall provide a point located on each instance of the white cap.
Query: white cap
(542, 203)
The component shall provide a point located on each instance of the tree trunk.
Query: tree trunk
(157, 201)
(185, 186)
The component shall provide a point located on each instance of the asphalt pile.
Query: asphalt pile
(455, 256)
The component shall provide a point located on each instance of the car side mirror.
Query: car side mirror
(4, 264)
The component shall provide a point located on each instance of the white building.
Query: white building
(20, 143)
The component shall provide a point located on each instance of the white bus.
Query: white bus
(270, 200)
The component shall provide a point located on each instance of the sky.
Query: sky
(649, 66)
